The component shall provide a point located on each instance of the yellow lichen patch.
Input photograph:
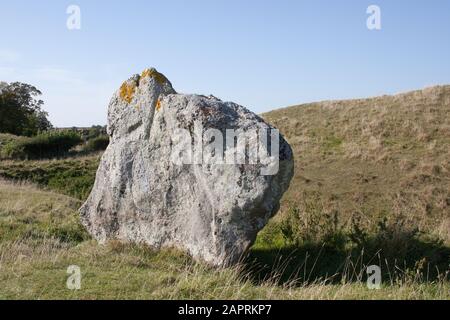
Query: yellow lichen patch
(158, 105)
(159, 77)
(127, 91)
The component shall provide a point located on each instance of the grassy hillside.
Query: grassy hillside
(367, 160)
(371, 186)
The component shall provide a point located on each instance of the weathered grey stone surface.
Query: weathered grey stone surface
(212, 211)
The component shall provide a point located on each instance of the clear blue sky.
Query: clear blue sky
(261, 54)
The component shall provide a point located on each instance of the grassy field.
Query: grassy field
(40, 237)
(371, 186)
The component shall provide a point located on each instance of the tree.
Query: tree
(20, 110)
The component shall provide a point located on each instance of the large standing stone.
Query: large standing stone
(142, 195)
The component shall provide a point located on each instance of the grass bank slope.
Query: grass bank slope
(372, 159)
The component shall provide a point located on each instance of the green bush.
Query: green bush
(44, 145)
(95, 131)
(99, 143)
(5, 138)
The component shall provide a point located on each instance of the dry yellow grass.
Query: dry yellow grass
(374, 158)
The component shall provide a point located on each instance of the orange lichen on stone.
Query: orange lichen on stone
(127, 91)
(152, 73)
(158, 105)
(128, 88)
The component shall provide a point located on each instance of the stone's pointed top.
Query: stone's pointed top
(153, 73)
(128, 88)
